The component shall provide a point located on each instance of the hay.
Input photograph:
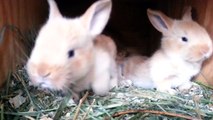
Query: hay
(121, 103)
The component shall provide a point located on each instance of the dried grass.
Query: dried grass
(122, 103)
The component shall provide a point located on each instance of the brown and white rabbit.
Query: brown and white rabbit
(184, 46)
(68, 52)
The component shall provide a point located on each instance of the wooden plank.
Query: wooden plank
(206, 75)
(24, 14)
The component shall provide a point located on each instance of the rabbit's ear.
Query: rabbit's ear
(53, 10)
(188, 14)
(159, 20)
(96, 17)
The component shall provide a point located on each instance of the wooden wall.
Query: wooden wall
(205, 18)
(25, 15)
(22, 13)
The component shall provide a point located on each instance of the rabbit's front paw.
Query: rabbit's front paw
(167, 90)
(125, 83)
(75, 96)
(185, 87)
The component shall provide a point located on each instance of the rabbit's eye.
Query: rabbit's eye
(184, 39)
(71, 53)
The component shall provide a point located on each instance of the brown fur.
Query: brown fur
(131, 63)
(127, 67)
(105, 42)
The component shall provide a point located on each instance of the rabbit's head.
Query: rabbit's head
(184, 38)
(63, 51)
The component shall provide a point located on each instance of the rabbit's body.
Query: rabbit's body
(166, 73)
(69, 53)
(184, 47)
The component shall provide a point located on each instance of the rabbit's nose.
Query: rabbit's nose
(46, 75)
(206, 51)
(43, 71)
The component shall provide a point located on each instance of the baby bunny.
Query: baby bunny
(184, 47)
(69, 54)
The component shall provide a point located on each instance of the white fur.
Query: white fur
(49, 64)
(105, 72)
(102, 73)
(49, 34)
(98, 16)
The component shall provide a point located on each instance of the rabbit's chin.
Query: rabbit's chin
(48, 83)
(195, 60)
